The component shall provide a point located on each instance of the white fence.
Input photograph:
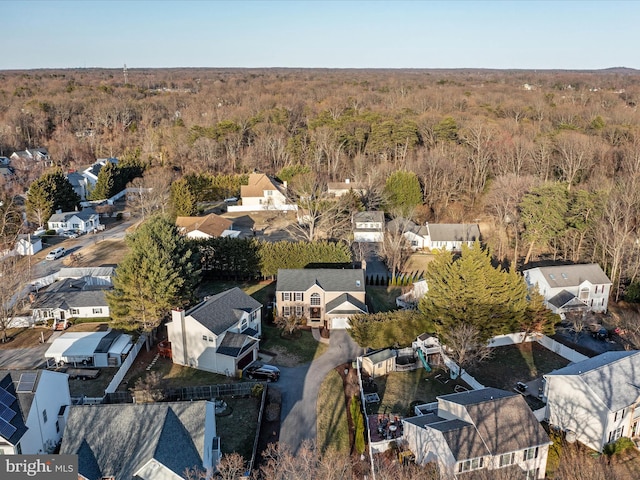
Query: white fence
(561, 349)
(453, 366)
(20, 322)
(126, 365)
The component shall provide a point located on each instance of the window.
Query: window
(244, 324)
(298, 296)
(315, 299)
(97, 310)
(299, 311)
(211, 339)
(204, 337)
(286, 296)
(268, 193)
(57, 426)
(597, 288)
(507, 459)
(473, 464)
(414, 243)
(44, 416)
(75, 311)
(253, 315)
(286, 311)
(532, 474)
(615, 434)
(618, 415)
(530, 453)
(584, 293)
(19, 449)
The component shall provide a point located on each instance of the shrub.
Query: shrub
(256, 390)
(619, 446)
(358, 424)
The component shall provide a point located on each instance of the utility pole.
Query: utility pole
(126, 77)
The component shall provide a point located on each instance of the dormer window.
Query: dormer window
(244, 324)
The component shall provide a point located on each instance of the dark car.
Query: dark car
(262, 372)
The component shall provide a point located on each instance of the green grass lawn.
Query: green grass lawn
(238, 430)
(261, 291)
(290, 351)
(398, 390)
(382, 299)
(516, 363)
(92, 387)
(332, 426)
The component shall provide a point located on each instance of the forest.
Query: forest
(548, 162)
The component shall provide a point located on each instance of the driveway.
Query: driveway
(23, 358)
(300, 387)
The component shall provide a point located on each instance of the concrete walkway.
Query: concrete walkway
(300, 387)
(318, 338)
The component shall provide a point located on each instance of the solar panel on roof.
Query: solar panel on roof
(6, 413)
(6, 429)
(27, 382)
(6, 398)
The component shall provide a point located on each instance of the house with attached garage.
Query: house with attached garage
(263, 193)
(597, 400)
(368, 226)
(488, 429)
(324, 297)
(209, 226)
(220, 334)
(34, 406)
(84, 221)
(436, 236)
(151, 441)
(567, 288)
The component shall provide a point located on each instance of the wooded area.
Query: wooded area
(550, 160)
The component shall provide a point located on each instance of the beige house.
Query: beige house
(263, 193)
(337, 189)
(209, 226)
(324, 297)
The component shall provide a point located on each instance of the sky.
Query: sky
(570, 34)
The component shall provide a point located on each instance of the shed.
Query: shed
(380, 362)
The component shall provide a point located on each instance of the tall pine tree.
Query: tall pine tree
(51, 192)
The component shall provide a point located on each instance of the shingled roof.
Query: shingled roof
(563, 276)
(258, 183)
(330, 280)
(220, 312)
(117, 440)
(212, 224)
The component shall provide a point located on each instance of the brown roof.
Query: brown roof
(211, 224)
(258, 183)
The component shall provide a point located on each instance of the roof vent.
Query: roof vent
(357, 283)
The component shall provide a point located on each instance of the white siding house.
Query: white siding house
(596, 399)
(263, 193)
(36, 402)
(85, 221)
(220, 334)
(571, 287)
(368, 227)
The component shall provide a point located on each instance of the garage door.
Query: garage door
(246, 360)
(340, 323)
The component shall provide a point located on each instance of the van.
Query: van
(55, 254)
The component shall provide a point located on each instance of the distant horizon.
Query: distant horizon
(322, 34)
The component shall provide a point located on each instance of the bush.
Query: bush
(619, 446)
(632, 294)
(50, 232)
(256, 390)
(358, 424)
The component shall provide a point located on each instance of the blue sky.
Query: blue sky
(325, 34)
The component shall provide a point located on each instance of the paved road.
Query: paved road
(22, 358)
(300, 387)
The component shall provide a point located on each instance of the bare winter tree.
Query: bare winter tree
(151, 192)
(465, 346)
(15, 276)
(396, 249)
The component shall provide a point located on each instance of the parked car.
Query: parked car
(230, 200)
(262, 372)
(69, 234)
(55, 253)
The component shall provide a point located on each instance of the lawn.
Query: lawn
(237, 431)
(103, 252)
(262, 291)
(332, 426)
(290, 352)
(25, 337)
(382, 299)
(516, 363)
(399, 390)
(92, 387)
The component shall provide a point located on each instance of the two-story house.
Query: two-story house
(338, 189)
(482, 429)
(151, 441)
(264, 193)
(368, 226)
(568, 288)
(34, 406)
(597, 399)
(219, 335)
(84, 221)
(324, 297)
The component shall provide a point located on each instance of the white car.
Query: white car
(69, 234)
(230, 200)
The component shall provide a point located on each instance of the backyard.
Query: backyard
(522, 362)
(382, 299)
(332, 426)
(237, 431)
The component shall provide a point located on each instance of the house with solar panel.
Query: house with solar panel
(324, 297)
(220, 334)
(34, 407)
(571, 288)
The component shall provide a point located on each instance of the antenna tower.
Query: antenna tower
(126, 77)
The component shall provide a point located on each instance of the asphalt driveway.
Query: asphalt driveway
(300, 387)
(23, 358)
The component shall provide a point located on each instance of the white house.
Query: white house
(263, 193)
(220, 334)
(436, 236)
(482, 429)
(368, 226)
(151, 441)
(80, 184)
(91, 174)
(28, 244)
(34, 406)
(85, 221)
(597, 399)
(209, 226)
(97, 349)
(31, 154)
(571, 287)
(337, 189)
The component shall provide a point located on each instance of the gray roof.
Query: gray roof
(450, 232)
(235, 344)
(380, 355)
(75, 179)
(116, 440)
(562, 276)
(402, 225)
(369, 216)
(330, 280)
(85, 215)
(613, 376)
(79, 272)
(71, 293)
(495, 413)
(220, 312)
(356, 305)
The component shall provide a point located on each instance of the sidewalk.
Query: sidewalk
(316, 334)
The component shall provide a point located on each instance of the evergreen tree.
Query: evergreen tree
(182, 200)
(51, 192)
(469, 290)
(105, 185)
(538, 318)
(158, 273)
(403, 193)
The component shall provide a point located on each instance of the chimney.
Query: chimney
(177, 316)
(347, 180)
